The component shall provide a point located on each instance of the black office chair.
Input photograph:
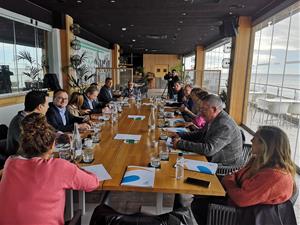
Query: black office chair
(229, 215)
(105, 215)
(76, 220)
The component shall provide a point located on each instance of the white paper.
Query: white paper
(175, 129)
(105, 118)
(176, 120)
(147, 103)
(99, 171)
(170, 101)
(139, 176)
(134, 137)
(201, 166)
(141, 117)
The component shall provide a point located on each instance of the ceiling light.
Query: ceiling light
(133, 40)
(124, 28)
(79, 1)
(179, 29)
(131, 25)
(180, 21)
(230, 13)
(112, 1)
(184, 14)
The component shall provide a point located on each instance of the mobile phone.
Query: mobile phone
(202, 183)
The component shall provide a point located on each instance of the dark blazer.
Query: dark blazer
(221, 141)
(105, 95)
(97, 106)
(55, 120)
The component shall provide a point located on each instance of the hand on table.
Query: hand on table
(84, 126)
(173, 135)
(175, 142)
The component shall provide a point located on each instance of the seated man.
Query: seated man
(90, 100)
(106, 94)
(59, 117)
(178, 90)
(35, 101)
(130, 91)
(220, 140)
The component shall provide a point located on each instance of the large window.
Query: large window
(17, 39)
(274, 95)
(218, 58)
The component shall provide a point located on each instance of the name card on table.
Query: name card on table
(175, 129)
(99, 171)
(136, 117)
(201, 166)
(134, 137)
(139, 176)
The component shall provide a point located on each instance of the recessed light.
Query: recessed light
(133, 40)
(112, 1)
(179, 29)
(184, 14)
(146, 49)
(230, 13)
(79, 1)
(124, 28)
(131, 25)
(180, 21)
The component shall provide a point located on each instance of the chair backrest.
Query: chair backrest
(247, 151)
(295, 195)
(221, 215)
(105, 215)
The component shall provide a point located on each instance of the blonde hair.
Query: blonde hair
(275, 151)
(76, 99)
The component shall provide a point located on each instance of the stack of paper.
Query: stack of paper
(139, 176)
(136, 117)
(201, 166)
(99, 171)
(134, 137)
(175, 129)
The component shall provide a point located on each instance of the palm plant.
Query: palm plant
(34, 68)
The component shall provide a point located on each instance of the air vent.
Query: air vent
(157, 37)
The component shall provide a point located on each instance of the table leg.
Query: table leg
(82, 201)
(159, 203)
(69, 210)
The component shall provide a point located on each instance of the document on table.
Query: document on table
(147, 103)
(176, 151)
(200, 166)
(136, 117)
(175, 129)
(134, 137)
(99, 171)
(139, 176)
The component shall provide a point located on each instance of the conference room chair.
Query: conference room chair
(229, 215)
(76, 220)
(225, 170)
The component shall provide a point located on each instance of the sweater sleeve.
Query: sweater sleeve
(79, 179)
(255, 190)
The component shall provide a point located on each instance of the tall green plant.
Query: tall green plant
(34, 68)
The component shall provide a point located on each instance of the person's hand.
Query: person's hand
(188, 124)
(91, 123)
(94, 117)
(173, 135)
(106, 110)
(84, 126)
(175, 142)
(86, 111)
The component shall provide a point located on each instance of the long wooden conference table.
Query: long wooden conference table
(115, 155)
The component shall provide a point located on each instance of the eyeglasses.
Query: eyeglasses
(61, 98)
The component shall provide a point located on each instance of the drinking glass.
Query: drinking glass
(155, 160)
(163, 135)
(88, 155)
(163, 150)
(63, 146)
(96, 135)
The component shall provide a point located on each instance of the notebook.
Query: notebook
(175, 129)
(139, 176)
(200, 166)
(99, 171)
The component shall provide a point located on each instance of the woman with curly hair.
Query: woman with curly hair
(32, 188)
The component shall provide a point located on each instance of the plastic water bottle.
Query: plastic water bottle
(76, 143)
(151, 121)
(180, 166)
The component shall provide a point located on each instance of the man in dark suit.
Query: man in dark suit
(106, 94)
(59, 117)
(90, 100)
(171, 78)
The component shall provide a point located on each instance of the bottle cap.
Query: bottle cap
(180, 154)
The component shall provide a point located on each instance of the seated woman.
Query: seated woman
(197, 121)
(32, 188)
(74, 107)
(268, 178)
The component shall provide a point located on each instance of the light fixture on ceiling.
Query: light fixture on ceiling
(230, 13)
(183, 14)
(133, 40)
(132, 25)
(180, 21)
(112, 1)
(124, 28)
(78, 1)
(179, 29)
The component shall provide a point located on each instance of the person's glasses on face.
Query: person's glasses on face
(62, 99)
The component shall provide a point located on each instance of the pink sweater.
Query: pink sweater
(268, 186)
(32, 191)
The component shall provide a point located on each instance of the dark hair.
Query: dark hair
(58, 91)
(173, 70)
(33, 99)
(201, 94)
(108, 79)
(94, 84)
(91, 89)
(37, 136)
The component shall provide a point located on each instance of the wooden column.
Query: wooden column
(115, 56)
(66, 36)
(237, 80)
(200, 55)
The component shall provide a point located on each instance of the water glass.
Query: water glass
(96, 135)
(88, 155)
(160, 123)
(65, 153)
(163, 150)
(155, 161)
(163, 135)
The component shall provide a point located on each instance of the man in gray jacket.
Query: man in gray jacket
(220, 140)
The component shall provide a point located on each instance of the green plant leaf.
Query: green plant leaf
(25, 55)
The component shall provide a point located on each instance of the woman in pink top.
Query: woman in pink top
(32, 188)
(268, 178)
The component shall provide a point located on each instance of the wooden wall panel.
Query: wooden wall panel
(200, 56)
(238, 71)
